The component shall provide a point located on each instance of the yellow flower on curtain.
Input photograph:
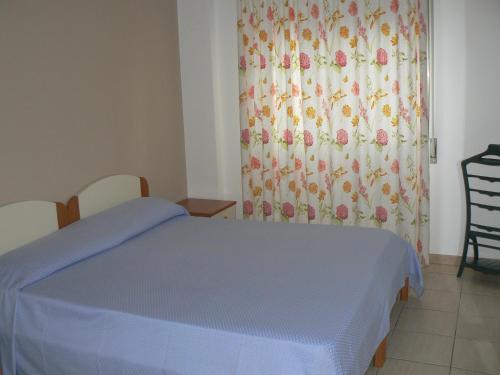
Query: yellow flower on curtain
(334, 113)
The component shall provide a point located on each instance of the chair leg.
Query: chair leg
(464, 254)
(460, 270)
(476, 249)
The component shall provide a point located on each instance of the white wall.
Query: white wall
(208, 51)
(467, 49)
(466, 53)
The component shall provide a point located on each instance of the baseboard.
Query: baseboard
(451, 260)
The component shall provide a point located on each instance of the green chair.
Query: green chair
(484, 235)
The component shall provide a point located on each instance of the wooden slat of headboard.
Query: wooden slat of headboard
(144, 188)
(62, 216)
(73, 210)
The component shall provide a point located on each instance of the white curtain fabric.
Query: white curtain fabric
(333, 113)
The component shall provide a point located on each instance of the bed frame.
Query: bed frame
(24, 222)
(27, 221)
(105, 193)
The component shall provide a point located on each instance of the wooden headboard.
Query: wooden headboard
(105, 193)
(24, 222)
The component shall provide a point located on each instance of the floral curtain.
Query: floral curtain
(333, 113)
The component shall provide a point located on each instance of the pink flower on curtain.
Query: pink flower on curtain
(353, 9)
(308, 138)
(311, 212)
(382, 138)
(288, 137)
(258, 113)
(245, 136)
(265, 137)
(362, 32)
(251, 91)
(340, 58)
(315, 11)
(262, 62)
(395, 6)
(381, 214)
(321, 166)
(286, 61)
(298, 164)
(342, 212)
(403, 29)
(247, 207)
(355, 166)
(270, 14)
(355, 88)
(382, 56)
(254, 163)
(404, 196)
(272, 90)
(291, 14)
(243, 63)
(395, 88)
(322, 31)
(305, 62)
(288, 210)
(267, 208)
(395, 167)
(319, 90)
(342, 137)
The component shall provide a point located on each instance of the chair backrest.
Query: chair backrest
(482, 193)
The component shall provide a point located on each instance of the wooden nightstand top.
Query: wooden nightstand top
(205, 207)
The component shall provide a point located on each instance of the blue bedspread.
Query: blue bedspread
(145, 289)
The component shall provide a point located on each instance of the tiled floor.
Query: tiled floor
(454, 329)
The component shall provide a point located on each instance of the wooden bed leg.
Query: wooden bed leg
(405, 291)
(379, 357)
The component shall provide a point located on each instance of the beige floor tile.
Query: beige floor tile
(420, 347)
(472, 274)
(398, 367)
(435, 300)
(371, 371)
(487, 306)
(396, 312)
(441, 268)
(427, 321)
(482, 284)
(476, 327)
(474, 355)
(442, 282)
(444, 259)
(457, 371)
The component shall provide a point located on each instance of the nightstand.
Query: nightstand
(209, 208)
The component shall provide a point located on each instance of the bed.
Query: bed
(140, 287)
